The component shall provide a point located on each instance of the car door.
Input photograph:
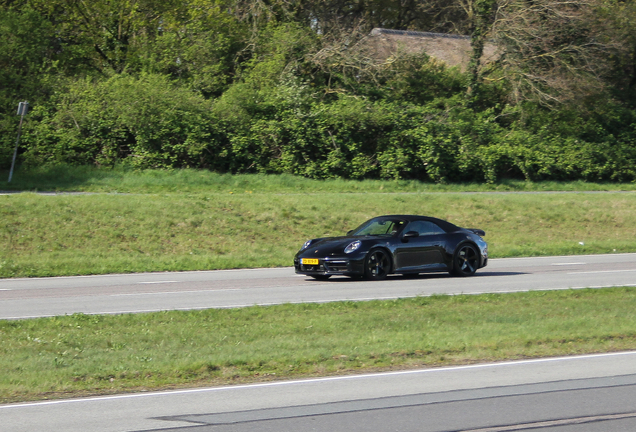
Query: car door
(423, 251)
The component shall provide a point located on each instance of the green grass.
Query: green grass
(114, 233)
(80, 354)
(126, 180)
(190, 220)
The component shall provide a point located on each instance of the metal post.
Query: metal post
(23, 107)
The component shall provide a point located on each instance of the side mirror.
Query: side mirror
(411, 234)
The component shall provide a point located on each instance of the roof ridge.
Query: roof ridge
(377, 31)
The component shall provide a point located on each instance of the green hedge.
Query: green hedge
(148, 122)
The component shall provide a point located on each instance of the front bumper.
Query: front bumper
(331, 266)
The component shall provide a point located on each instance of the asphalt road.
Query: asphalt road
(582, 394)
(132, 293)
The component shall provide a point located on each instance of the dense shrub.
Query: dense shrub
(147, 121)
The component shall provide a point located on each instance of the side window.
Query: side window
(424, 228)
(380, 228)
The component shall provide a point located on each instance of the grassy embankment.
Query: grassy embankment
(259, 221)
(223, 222)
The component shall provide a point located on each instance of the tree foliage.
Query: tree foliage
(289, 86)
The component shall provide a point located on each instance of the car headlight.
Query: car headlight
(353, 246)
(306, 245)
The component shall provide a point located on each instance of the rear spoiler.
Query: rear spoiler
(477, 231)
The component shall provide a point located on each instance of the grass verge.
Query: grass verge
(114, 233)
(124, 179)
(83, 355)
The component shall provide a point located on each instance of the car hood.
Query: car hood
(330, 245)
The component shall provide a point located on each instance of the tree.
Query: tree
(552, 50)
(619, 18)
(199, 48)
(102, 31)
(27, 53)
(27, 47)
(480, 15)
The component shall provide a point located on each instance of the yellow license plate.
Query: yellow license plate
(310, 261)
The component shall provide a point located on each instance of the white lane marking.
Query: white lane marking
(114, 275)
(604, 271)
(563, 256)
(245, 305)
(6, 289)
(174, 292)
(157, 282)
(567, 264)
(324, 379)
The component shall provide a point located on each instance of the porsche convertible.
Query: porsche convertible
(398, 244)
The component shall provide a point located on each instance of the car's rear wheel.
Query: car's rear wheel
(465, 260)
(321, 277)
(377, 265)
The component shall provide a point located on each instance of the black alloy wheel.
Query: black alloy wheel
(321, 277)
(465, 261)
(377, 265)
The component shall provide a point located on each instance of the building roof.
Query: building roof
(454, 50)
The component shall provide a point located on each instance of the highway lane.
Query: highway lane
(132, 293)
(581, 393)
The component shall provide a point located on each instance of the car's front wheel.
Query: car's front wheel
(465, 260)
(377, 265)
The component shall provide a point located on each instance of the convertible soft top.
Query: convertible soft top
(445, 225)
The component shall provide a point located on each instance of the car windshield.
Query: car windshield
(378, 227)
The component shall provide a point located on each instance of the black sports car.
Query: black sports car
(402, 244)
